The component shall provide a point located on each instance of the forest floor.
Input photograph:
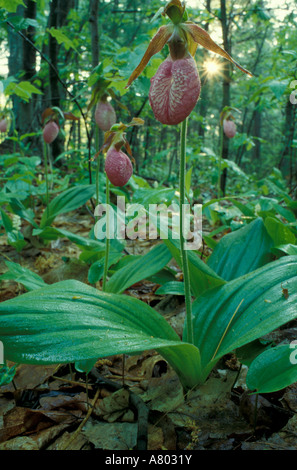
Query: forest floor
(131, 399)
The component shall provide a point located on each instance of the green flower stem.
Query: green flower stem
(14, 132)
(107, 236)
(97, 163)
(45, 153)
(220, 163)
(184, 257)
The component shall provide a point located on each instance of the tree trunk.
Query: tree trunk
(257, 127)
(286, 163)
(59, 10)
(226, 87)
(204, 89)
(94, 8)
(29, 121)
(15, 61)
(260, 46)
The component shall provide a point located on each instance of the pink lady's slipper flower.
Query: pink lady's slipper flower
(50, 132)
(226, 120)
(118, 165)
(229, 128)
(50, 121)
(105, 115)
(175, 88)
(3, 125)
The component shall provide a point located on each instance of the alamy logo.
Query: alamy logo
(134, 221)
(293, 355)
(293, 95)
(1, 353)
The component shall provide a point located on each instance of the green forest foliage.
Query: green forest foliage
(260, 35)
(63, 56)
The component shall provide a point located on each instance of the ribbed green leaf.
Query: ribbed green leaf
(172, 287)
(153, 196)
(242, 251)
(96, 270)
(53, 233)
(279, 232)
(15, 237)
(273, 370)
(67, 201)
(72, 322)
(24, 276)
(202, 277)
(289, 249)
(243, 310)
(19, 209)
(142, 268)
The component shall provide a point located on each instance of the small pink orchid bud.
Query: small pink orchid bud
(50, 132)
(229, 128)
(3, 125)
(118, 167)
(105, 115)
(175, 90)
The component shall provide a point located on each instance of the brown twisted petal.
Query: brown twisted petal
(156, 45)
(203, 38)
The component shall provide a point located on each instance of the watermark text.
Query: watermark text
(293, 355)
(134, 221)
(293, 95)
(1, 353)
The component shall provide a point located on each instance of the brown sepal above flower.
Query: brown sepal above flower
(53, 114)
(115, 137)
(193, 34)
(200, 36)
(156, 45)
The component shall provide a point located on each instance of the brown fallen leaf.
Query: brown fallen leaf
(29, 377)
(80, 442)
(155, 438)
(65, 402)
(111, 436)
(19, 443)
(21, 420)
(115, 407)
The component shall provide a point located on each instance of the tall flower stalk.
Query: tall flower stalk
(220, 163)
(174, 92)
(50, 120)
(107, 242)
(118, 170)
(184, 256)
(227, 128)
(45, 153)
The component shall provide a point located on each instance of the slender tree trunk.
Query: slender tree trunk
(226, 87)
(286, 163)
(57, 145)
(28, 120)
(260, 46)
(257, 128)
(93, 19)
(59, 10)
(53, 55)
(204, 89)
(15, 61)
